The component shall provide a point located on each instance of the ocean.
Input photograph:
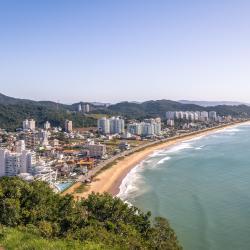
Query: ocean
(202, 186)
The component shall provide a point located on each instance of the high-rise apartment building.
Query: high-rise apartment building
(103, 125)
(212, 115)
(204, 116)
(170, 115)
(68, 126)
(148, 127)
(113, 125)
(14, 163)
(3, 153)
(79, 107)
(116, 125)
(29, 124)
(135, 128)
(28, 161)
(47, 125)
(86, 108)
(20, 146)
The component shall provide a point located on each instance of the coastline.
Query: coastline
(111, 179)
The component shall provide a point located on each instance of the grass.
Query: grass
(82, 188)
(96, 116)
(21, 239)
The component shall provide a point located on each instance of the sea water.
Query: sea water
(202, 186)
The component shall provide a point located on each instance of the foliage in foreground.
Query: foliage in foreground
(35, 216)
(24, 238)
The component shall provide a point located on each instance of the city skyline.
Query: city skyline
(134, 50)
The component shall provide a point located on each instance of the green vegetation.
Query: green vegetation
(157, 108)
(27, 238)
(13, 111)
(33, 217)
(11, 116)
(82, 188)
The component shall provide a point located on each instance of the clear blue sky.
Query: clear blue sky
(135, 50)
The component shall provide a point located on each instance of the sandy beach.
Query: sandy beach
(110, 179)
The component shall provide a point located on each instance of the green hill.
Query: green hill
(13, 111)
(34, 217)
(160, 107)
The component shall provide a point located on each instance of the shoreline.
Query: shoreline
(110, 179)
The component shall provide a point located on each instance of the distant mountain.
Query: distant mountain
(213, 103)
(100, 104)
(6, 100)
(160, 107)
(13, 111)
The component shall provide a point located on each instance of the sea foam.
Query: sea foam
(129, 185)
(163, 160)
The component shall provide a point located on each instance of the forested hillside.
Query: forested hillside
(13, 111)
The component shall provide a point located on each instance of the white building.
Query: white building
(116, 125)
(135, 128)
(3, 153)
(95, 150)
(45, 173)
(28, 161)
(196, 115)
(44, 137)
(113, 125)
(14, 163)
(103, 125)
(149, 127)
(29, 124)
(170, 115)
(186, 115)
(170, 123)
(47, 125)
(79, 107)
(204, 116)
(86, 108)
(212, 115)
(68, 126)
(157, 126)
(178, 115)
(20, 146)
(191, 116)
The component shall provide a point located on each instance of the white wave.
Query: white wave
(195, 138)
(163, 160)
(128, 203)
(129, 186)
(157, 153)
(179, 147)
(228, 130)
(233, 130)
(148, 160)
(200, 147)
